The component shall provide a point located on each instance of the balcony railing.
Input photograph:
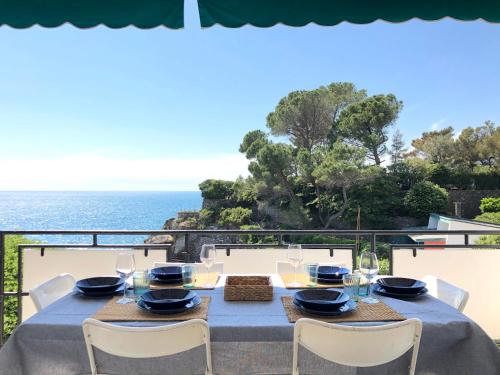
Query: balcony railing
(281, 238)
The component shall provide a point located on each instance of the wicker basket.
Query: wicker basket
(248, 288)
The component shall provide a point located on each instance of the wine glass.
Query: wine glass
(125, 267)
(368, 265)
(294, 256)
(207, 256)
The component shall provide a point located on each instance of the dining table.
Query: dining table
(246, 338)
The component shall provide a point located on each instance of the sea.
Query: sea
(42, 210)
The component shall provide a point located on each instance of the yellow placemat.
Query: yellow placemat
(303, 280)
(377, 312)
(201, 280)
(115, 312)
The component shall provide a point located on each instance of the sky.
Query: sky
(159, 109)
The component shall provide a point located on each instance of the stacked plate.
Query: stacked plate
(100, 286)
(168, 301)
(400, 287)
(167, 275)
(331, 274)
(323, 302)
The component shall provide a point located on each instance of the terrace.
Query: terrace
(451, 262)
(428, 334)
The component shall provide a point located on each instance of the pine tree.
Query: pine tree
(398, 147)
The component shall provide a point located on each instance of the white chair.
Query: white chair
(146, 342)
(446, 292)
(51, 290)
(357, 346)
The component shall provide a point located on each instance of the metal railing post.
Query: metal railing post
(373, 243)
(19, 284)
(186, 247)
(391, 257)
(354, 252)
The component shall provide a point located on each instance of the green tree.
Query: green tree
(410, 171)
(480, 145)
(252, 142)
(380, 200)
(366, 123)
(436, 146)
(342, 168)
(398, 148)
(232, 218)
(216, 189)
(425, 198)
(307, 117)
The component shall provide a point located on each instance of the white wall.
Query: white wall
(473, 270)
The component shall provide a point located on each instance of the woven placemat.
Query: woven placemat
(303, 280)
(115, 312)
(377, 312)
(200, 283)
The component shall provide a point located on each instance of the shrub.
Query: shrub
(410, 171)
(489, 217)
(234, 217)
(490, 205)
(425, 198)
(216, 189)
(253, 238)
(486, 177)
(11, 243)
(207, 217)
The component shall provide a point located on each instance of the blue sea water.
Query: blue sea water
(42, 210)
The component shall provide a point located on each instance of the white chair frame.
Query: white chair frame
(343, 344)
(51, 290)
(446, 292)
(146, 342)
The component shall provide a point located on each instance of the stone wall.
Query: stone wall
(470, 200)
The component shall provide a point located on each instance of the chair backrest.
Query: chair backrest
(146, 342)
(446, 292)
(217, 267)
(51, 290)
(357, 346)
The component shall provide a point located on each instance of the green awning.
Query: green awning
(115, 14)
(266, 13)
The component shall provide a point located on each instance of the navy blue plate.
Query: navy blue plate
(195, 302)
(321, 299)
(401, 285)
(332, 272)
(329, 281)
(98, 294)
(380, 290)
(344, 309)
(167, 298)
(102, 284)
(167, 273)
(165, 281)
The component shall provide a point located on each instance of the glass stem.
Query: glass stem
(369, 294)
(125, 290)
